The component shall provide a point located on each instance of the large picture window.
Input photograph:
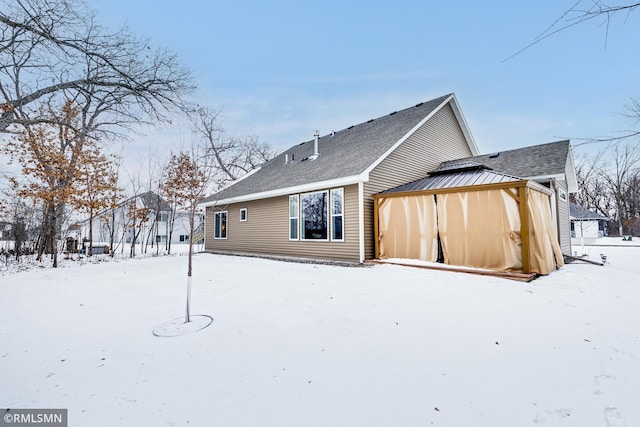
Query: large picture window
(337, 201)
(220, 229)
(293, 217)
(314, 212)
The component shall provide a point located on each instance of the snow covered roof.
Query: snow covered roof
(580, 212)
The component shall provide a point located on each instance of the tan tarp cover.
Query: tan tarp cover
(477, 229)
(408, 228)
(480, 229)
(545, 249)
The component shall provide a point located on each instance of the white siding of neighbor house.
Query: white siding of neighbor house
(266, 230)
(439, 139)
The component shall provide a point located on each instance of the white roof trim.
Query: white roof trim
(338, 182)
(463, 125)
(570, 173)
(545, 177)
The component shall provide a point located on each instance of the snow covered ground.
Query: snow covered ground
(313, 345)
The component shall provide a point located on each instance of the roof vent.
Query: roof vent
(370, 120)
(395, 112)
(494, 155)
(417, 105)
(333, 133)
(350, 127)
(316, 136)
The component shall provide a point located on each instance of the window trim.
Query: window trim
(300, 226)
(246, 216)
(297, 217)
(341, 215)
(215, 224)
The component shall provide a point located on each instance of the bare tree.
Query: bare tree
(187, 176)
(52, 49)
(620, 180)
(593, 191)
(232, 157)
(580, 12)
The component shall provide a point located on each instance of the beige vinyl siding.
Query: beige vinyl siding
(266, 231)
(564, 223)
(439, 139)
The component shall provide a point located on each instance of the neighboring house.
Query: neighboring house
(5, 230)
(549, 164)
(586, 224)
(314, 200)
(154, 230)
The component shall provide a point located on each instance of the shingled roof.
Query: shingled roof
(345, 153)
(582, 213)
(537, 161)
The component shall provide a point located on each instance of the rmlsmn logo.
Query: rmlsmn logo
(34, 417)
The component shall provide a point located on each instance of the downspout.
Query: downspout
(556, 193)
(361, 250)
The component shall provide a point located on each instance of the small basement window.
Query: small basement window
(243, 214)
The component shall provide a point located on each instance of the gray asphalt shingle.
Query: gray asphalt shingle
(344, 153)
(538, 160)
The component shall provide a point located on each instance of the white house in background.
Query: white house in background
(154, 231)
(586, 224)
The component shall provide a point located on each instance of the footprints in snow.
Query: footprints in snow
(613, 418)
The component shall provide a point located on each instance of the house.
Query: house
(152, 227)
(586, 225)
(466, 214)
(314, 199)
(548, 164)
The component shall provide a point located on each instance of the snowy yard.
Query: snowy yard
(312, 345)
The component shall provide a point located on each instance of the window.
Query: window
(162, 217)
(243, 214)
(337, 200)
(313, 209)
(161, 238)
(220, 226)
(184, 237)
(293, 217)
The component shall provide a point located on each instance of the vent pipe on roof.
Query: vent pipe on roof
(316, 135)
(286, 159)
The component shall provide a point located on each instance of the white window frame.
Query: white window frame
(216, 235)
(301, 221)
(245, 212)
(295, 197)
(333, 215)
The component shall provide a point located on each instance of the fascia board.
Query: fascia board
(320, 185)
(570, 173)
(545, 177)
(466, 131)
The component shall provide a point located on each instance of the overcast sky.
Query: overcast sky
(280, 69)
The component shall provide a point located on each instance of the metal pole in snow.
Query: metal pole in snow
(582, 235)
(187, 317)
